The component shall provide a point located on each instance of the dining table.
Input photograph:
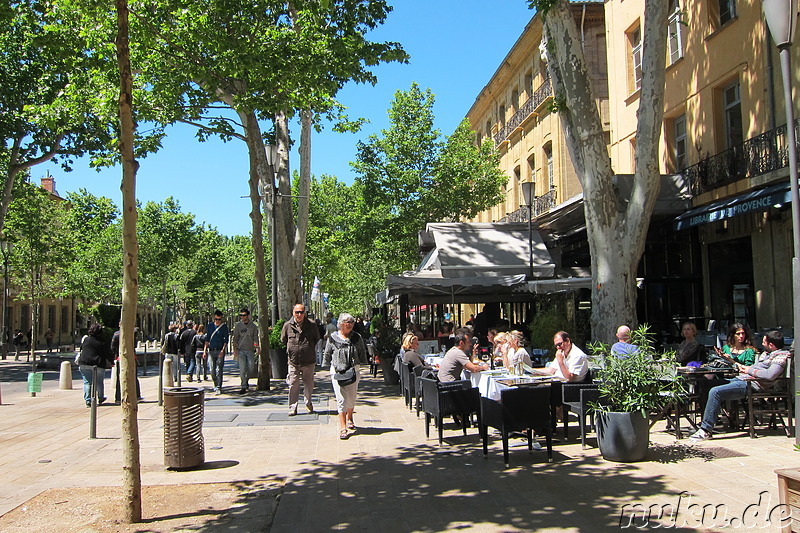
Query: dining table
(491, 383)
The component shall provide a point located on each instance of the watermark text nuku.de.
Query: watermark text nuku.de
(762, 513)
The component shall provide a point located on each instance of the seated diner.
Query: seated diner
(570, 362)
(456, 359)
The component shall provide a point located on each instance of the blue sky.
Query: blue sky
(455, 47)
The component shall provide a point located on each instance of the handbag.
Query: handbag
(348, 377)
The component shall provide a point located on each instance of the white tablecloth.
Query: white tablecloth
(432, 359)
(488, 382)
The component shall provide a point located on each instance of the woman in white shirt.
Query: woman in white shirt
(516, 353)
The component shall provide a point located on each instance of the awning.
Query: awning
(431, 287)
(489, 249)
(546, 286)
(751, 202)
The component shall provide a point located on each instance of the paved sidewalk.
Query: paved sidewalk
(388, 477)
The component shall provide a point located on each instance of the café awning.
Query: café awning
(750, 202)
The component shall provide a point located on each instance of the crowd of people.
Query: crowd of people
(341, 345)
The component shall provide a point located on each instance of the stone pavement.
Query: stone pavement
(388, 476)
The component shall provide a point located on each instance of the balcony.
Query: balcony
(541, 204)
(527, 109)
(761, 154)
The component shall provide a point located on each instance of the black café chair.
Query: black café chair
(519, 409)
(407, 383)
(575, 398)
(447, 399)
(773, 405)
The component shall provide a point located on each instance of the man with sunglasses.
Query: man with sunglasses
(216, 345)
(570, 363)
(300, 336)
(244, 339)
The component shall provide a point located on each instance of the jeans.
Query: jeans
(191, 363)
(296, 374)
(217, 363)
(86, 372)
(736, 389)
(247, 366)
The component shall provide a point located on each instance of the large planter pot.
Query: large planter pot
(623, 437)
(279, 362)
(390, 375)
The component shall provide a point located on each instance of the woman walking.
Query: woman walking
(344, 351)
(95, 352)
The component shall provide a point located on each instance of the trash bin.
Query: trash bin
(183, 427)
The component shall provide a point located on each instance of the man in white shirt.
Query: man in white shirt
(570, 363)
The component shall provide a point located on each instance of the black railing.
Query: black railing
(541, 204)
(533, 103)
(761, 154)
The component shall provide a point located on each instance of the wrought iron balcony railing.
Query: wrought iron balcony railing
(525, 111)
(761, 154)
(541, 204)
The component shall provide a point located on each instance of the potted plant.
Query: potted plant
(631, 387)
(279, 361)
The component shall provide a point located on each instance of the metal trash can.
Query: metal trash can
(183, 427)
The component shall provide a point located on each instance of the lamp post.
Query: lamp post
(272, 160)
(527, 196)
(781, 16)
(6, 248)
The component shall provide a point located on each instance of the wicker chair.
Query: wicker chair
(519, 409)
(575, 398)
(773, 405)
(407, 384)
(447, 399)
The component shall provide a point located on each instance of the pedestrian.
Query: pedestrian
(244, 339)
(19, 341)
(187, 348)
(170, 348)
(344, 352)
(48, 339)
(300, 336)
(217, 334)
(200, 360)
(115, 353)
(95, 353)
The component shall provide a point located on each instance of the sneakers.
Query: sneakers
(310, 407)
(699, 436)
(243, 390)
(189, 378)
(293, 412)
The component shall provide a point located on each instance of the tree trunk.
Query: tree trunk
(131, 466)
(616, 227)
(259, 185)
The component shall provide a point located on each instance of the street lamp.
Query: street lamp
(6, 248)
(527, 196)
(272, 161)
(781, 18)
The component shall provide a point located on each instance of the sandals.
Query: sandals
(343, 435)
(351, 425)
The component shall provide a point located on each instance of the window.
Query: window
(529, 84)
(635, 44)
(64, 319)
(532, 168)
(679, 129)
(488, 128)
(514, 100)
(51, 317)
(548, 155)
(502, 112)
(727, 11)
(675, 32)
(732, 109)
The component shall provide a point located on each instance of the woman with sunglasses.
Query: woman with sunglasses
(345, 351)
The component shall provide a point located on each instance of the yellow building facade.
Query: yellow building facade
(728, 257)
(514, 111)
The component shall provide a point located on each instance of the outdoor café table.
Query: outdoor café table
(432, 359)
(673, 410)
(491, 382)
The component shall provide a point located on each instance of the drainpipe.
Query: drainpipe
(770, 81)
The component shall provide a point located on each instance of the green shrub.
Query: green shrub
(275, 335)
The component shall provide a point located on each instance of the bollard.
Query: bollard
(93, 413)
(166, 372)
(65, 377)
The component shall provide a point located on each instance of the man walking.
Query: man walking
(171, 347)
(300, 336)
(188, 349)
(244, 339)
(216, 343)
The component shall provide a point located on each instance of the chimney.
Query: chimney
(49, 184)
